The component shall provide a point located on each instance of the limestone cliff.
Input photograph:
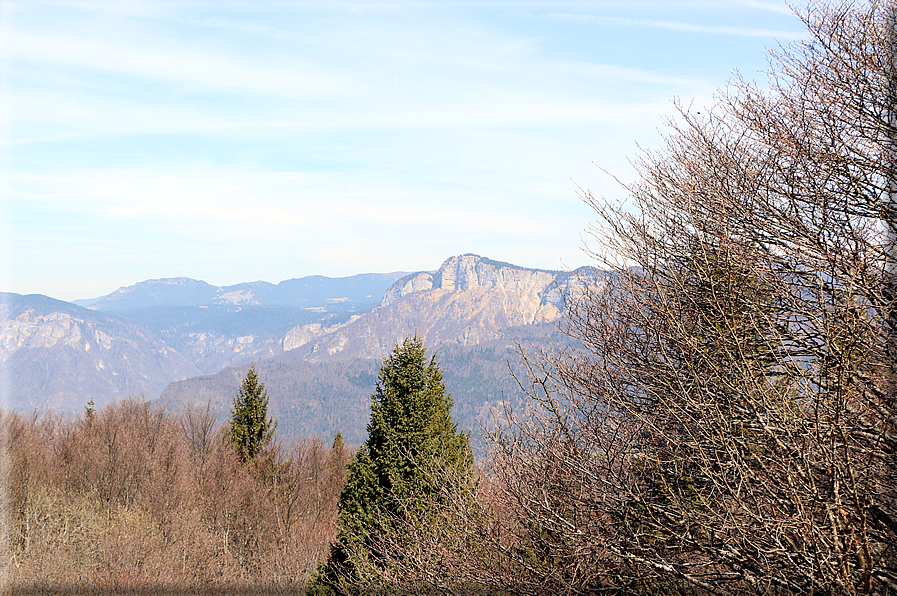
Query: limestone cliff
(302, 334)
(468, 300)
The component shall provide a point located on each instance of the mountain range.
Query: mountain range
(317, 341)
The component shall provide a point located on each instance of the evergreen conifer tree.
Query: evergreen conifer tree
(410, 431)
(250, 428)
(90, 412)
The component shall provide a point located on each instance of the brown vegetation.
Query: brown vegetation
(134, 500)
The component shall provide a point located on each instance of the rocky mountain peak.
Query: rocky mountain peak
(470, 271)
(470, 299)
(466, 272)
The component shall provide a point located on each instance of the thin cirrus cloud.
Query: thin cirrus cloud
(781, 34)
(175, 64)
(770, 6)
(247, 140)
(305, 82)
(218, 199)
(622, 73)
(133, 113)
(84, 119)
(714, 29)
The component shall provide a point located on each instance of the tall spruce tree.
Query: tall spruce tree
(250, 428)
(410, 435)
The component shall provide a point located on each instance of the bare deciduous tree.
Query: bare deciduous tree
(735, 392)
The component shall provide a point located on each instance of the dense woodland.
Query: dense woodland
(727, 426)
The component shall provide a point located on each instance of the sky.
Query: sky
(234, 141)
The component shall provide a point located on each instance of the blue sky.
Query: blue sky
(235, 141)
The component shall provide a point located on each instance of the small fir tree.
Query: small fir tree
(250, 428)
(339, 457)
(410, 431)
(338, 448)
(90, 412)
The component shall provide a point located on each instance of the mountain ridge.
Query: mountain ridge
(308, 291)
(471, 308)
(468, 299)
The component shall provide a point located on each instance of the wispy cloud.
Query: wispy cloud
(714, 29)
(129, 8)
(266, 139)
(624, 73)
(782, 34)
(279, 224)
(180, 64)
(770, 6)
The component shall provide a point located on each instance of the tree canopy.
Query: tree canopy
(737, 381)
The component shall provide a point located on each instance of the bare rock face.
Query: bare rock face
(55, 354)
(29, 330)
(211, 351)
(302, 334)
(469, 300)
(468, 271)
(416, 282)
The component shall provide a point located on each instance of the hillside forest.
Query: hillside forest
(724, 420)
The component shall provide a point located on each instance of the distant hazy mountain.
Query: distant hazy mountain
(59, 355)
(324, 396)
(356, 292)
(472, 309)
(140, 338)
(219, 326)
